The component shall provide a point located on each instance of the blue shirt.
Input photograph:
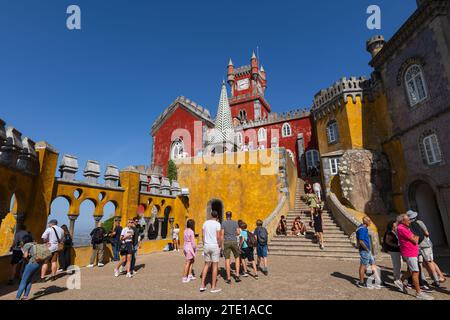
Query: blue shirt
(362, 234)
(244, 235)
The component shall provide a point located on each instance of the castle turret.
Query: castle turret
(230, 73)
(254, 66)
(375, 44)
(263, 75)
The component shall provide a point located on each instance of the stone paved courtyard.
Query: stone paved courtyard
(290, 278)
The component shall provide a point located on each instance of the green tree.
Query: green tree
(108, 224)
(172, 171)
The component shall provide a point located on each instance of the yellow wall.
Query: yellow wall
(242, 189)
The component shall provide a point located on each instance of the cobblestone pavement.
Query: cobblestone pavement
(290, 278)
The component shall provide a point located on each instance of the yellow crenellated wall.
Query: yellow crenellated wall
(242, 188)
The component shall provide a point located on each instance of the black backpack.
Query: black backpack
(417, 230)
(97, 236)
(262, 235)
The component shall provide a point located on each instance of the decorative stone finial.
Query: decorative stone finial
(175, 188)
(143, 179)
(27, 160)
(165, 186)
(112, 176)
(92, 171)
(9, 152)
(155, 184)
(68, 167)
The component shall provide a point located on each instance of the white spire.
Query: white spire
(224, 131)
(262, 69)
(230, 63)
(253, 55)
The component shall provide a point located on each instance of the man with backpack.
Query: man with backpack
(53, 237)
(262, 237)
(98, 245)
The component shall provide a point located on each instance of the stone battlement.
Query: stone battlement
(149, 183)
(275, 118)
(327, 99)
(17, 152)
(189, 104)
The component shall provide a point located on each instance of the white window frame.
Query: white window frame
(312, 159)
(414, 78)
(332, 132)
(286, 130)
(177, 145)
(334, 166)
(262, 134)
(432, 149)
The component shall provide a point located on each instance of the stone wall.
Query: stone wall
(365, 180)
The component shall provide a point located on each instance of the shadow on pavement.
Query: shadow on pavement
(47, 291)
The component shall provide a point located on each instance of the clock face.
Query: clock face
(243, 84)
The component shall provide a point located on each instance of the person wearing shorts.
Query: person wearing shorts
(409, 249)
(247, 252)
(230, 232)
(126, 249)
(212, 242)
(366, 256)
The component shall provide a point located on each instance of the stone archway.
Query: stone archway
(215, 205)
(422, 199)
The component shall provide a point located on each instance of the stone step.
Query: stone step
(313, 249)
(325, 236)
(342, 241)
(321, 254)
(304, 244)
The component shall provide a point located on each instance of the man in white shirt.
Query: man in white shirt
(52, 236)
(212, 242)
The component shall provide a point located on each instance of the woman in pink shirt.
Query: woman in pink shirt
(409, 249)
(190, 249)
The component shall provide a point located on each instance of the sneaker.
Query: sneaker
(360, 284)
(426, 288)
(228, 281)
(217, 290)
(129, 275)
(60, 270)
(133, 273)
(202, 289)
(424, 296)
(256, 277)
(191, 277)
(322, 247)
(245, 275)
(121, 269)
(238, 279)
(90, 266)
(399, 284)
(185, 280)
(116, 273)
(101, 265)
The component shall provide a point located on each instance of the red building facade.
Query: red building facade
(256, 126)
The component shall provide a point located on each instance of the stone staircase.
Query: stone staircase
(337, 244)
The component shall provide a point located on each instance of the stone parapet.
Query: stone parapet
(92, 171)
(275, 118)
(112, 176)
(68, 167)
(17, 152)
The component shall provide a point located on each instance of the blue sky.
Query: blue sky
(95, 93)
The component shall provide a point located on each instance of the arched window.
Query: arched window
(291, 155)
(312, 159)
(262, 134)
(243, 115)
(332, 132)
(430, 149)
(177, 150)
(415, 85)
(286, 130)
